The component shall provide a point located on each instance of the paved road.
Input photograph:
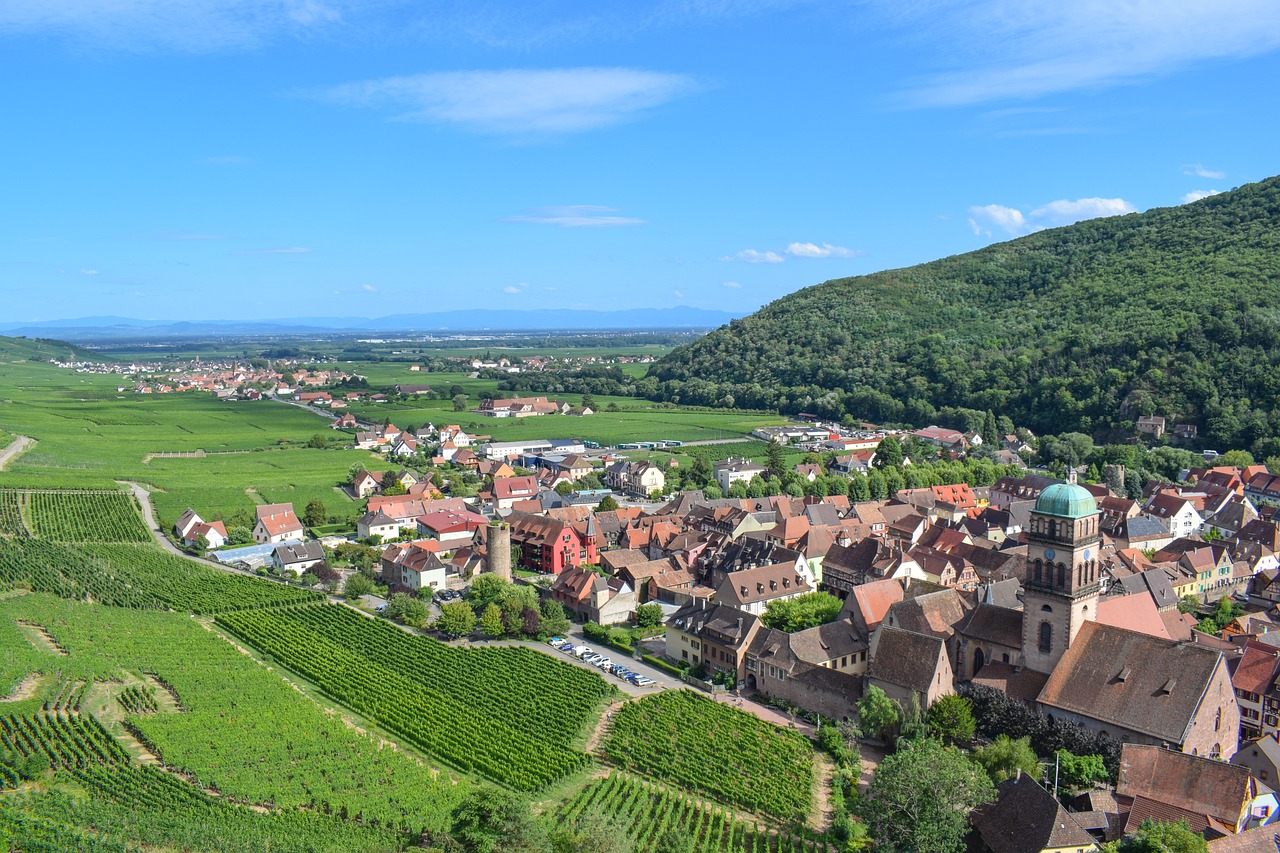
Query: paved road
(17, 446)
(709, 441)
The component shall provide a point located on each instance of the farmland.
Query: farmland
(721, 751)
(650, 811)
(237, 717)
(506, 713)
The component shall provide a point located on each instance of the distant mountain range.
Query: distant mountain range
(474, 320)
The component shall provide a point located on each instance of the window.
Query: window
(1046, 637)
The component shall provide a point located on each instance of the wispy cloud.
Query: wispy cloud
(529, 102)
(826, 250)
(752, 256)
(985, 219)
(88, 272)
(731, 284)
(191, 25)
(368, 288)
(1201, 172)
(288, 250)
(1011, 49)
(575, 216)
(1196, 195)
(181, 236)
(677, 294)
(513, 289)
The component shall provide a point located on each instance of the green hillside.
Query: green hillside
(1174, 312)
(43, 349)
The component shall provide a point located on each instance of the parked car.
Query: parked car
(583, 651)
(569, 649)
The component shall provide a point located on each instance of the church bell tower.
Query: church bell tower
(1061, 588)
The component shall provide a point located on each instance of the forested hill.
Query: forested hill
(1174, 312)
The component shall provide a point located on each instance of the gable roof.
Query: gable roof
(999, 625)
(1141, 683)
(1025, 818)
(764, 583)
(906, 659)
(1201, 786)
(936, 614)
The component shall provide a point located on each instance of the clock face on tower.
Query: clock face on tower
(1086, 553)
(1048, 553)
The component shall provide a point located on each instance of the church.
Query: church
(1132, 686)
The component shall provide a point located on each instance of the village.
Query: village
(1143, 628)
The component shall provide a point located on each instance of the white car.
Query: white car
(583, 651)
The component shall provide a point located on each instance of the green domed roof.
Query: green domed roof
(1066, 500)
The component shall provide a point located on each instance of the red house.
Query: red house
(550, 546)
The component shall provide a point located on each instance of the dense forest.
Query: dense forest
(1172, 312)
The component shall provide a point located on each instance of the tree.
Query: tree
(593, 832)
(951, 718)
(889, 453)
(648, 615)
(774, 460)
(356, 586)
(530, 621)
(1005, 756)
(554, 622)
(564, 487)
(489, 820)
(456, 618)
(876, 485)
(315, 514)
(1077, 771)
(607, 504)
(491, 621)
(239, 535)
(737, 489)
(858, 489)
(990, 432)
(675, 841)
(700, 473)
(1154, 836)
(588, 401)
(878, 714)
(407, 610)
(459, 402)
(921, 796)
(354, 471)
(803, 611)
(487, 589)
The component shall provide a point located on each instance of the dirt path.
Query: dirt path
(824, 770)
(25, 690)
(39, 637)
(601, 728)
(19, 445)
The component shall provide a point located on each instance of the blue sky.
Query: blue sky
(220, 159)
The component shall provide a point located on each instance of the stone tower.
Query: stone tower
(499, 549)
(1062, 573)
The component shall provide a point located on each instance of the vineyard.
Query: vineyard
(242, 730)
(84, 517)
(475, 710)
(136, 576)
(138, 700)
(128, 805)
(650, 811)
(705, 746)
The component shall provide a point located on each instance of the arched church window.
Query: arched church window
(1046, 637)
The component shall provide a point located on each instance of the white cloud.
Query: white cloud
(985, 219)
(191, 25)
(288, 250)
(529, 102)
(678, 294)
(1007, 49)
(732, 284)
(826, 250)
(575, 216)
(513, 289)
(88, 272)
(1201, 172)
(751, 256)
(368, 288)
(1196, 195)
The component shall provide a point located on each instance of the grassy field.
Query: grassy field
(90, 435)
